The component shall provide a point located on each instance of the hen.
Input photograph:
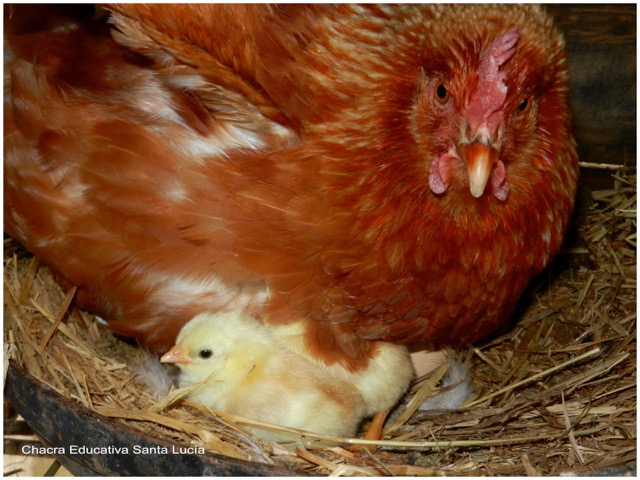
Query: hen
(395, 172)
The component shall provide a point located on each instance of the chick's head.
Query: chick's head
(220, 348)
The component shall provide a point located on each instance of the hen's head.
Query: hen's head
(491, 105)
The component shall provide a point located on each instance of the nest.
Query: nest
(555, 393)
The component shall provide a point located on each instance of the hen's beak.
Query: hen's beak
(175, 355)
(479, 158)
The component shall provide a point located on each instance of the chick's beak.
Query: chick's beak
(175, 355)
(479, 158)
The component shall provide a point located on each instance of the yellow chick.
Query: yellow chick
(246, 370)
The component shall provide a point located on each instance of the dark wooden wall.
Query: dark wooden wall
(601, 48)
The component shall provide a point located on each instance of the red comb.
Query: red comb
(491, 90)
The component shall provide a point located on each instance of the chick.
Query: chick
(244, 369)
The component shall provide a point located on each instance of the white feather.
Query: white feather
(152, 375)
(453, 398)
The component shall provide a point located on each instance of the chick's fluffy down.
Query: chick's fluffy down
(245, 370)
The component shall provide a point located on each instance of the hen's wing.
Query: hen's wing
(105, 160)
(147, 181)
(253, 50)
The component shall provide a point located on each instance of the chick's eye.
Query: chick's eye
(441, 93)
(206, 353)
(525, 105)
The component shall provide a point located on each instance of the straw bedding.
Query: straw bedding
(555, 392)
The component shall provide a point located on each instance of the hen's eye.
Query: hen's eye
(441, 93)
(206, 353)
(524, 106)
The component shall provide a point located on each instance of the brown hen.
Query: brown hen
(394, 173)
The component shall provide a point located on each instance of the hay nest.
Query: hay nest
(556, 393)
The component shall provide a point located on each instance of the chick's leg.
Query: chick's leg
(374, 432)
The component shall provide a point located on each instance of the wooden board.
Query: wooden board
(601, 48)
(62, 422)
